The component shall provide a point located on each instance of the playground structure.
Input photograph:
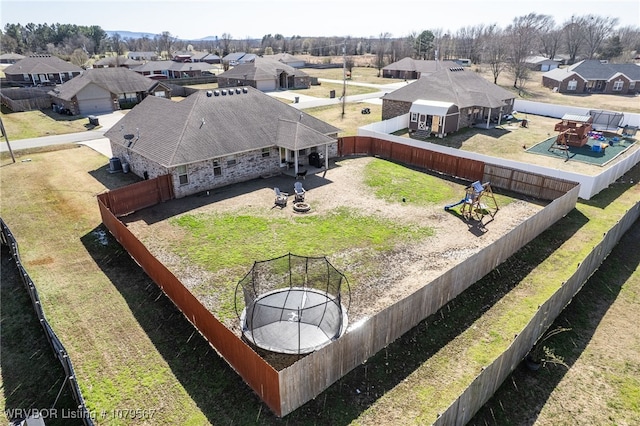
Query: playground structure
(473, 206)
(573, 131)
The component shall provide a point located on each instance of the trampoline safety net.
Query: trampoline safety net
(292, 304)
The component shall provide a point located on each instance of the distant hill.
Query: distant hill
(133, 34)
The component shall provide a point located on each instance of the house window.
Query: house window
(414, 117)
(25, 77)
(632, 85)
(302, 152)
(160, 93)
(231, 162)
(572, 85)
(183, 178)
(127, 97)
(617, 85)
(266, 152)
(217, 168)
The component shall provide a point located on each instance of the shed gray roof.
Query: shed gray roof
(41, 64)
(114, 80)
(462, 88)
(152, 66)
(261, 69)
(203, 127)
(117, 61)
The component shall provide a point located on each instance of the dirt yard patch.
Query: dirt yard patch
(399, 272)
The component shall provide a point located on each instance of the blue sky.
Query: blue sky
(194, 19)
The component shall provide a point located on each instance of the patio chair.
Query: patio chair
(281, 198)
(299, 192)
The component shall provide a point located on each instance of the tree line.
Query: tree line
(580, 37)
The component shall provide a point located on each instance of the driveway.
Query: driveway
(92, 138)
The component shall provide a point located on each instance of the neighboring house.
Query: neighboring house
(41, 70)
(172, 69)
(216, 138)
(413, 69)
(593, 76)
(212, 58)
(143, 56)
(116, 61)
(288, 59)
(265, 74)
(102, 90)
(10, 58)
(448, 100)
(236, 58)
(540, 63)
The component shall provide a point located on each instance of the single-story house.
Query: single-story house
(103, 90)
(236, 58)
(218, 137)
(265, 74)
(212, 58)
(10, 58)
(540, 63)
(594, 76)
(172, 69)
(288, 59)
(412, 69)
(447, 100)
(143, 56)
(116, 61)
(42, 70)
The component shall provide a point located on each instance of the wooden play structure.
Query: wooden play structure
(573, 131)
(473, 203)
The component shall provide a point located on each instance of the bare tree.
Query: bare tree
(468, 42)
(495, 51)
(523, 35)
(165, 43)
(225, 40)
(596, 30)
(381, 50)
(79, 57)
(573, 30)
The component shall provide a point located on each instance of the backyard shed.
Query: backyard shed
(435, 117)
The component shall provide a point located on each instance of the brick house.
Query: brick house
(593, 76)
(42, 70)
(218, 137)
(447, 100)
(102, 90)
(265, 74)
(172, 69)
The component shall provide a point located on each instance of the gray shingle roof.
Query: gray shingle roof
(462, 88)
(114, 80)
(418, 65)
(261, 69)
(595, 70)
(203, 127)
(152, 66)
(41, 64)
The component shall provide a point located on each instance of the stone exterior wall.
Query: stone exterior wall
(392, 109)
(201, 175)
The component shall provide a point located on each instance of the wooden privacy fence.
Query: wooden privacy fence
(256, 372)
(139, 195)
(57, 346)
(305, 379)
(490, 379)
(519, 181)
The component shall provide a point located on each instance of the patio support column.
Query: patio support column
(326, 156)
(295, 160)
(489, 118)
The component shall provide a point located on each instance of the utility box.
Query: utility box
(93, 120)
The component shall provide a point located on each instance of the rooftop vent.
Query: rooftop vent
(245, 90)
(209, 93)
(224, 92)
(216, 92)
(230, 91)
(238, 90)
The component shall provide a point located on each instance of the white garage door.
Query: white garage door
(95, 106)
(266, 85)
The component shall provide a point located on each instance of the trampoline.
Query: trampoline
(292, 304)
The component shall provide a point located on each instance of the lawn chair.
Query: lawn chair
(299, 192)
(281, 198)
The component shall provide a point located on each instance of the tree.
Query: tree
(165, 42)
(596, 30)
(423, 43)
(523, 35)
(381, 50)
(495, 51)
(612, 48)
(79, 57)
(573, 37)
